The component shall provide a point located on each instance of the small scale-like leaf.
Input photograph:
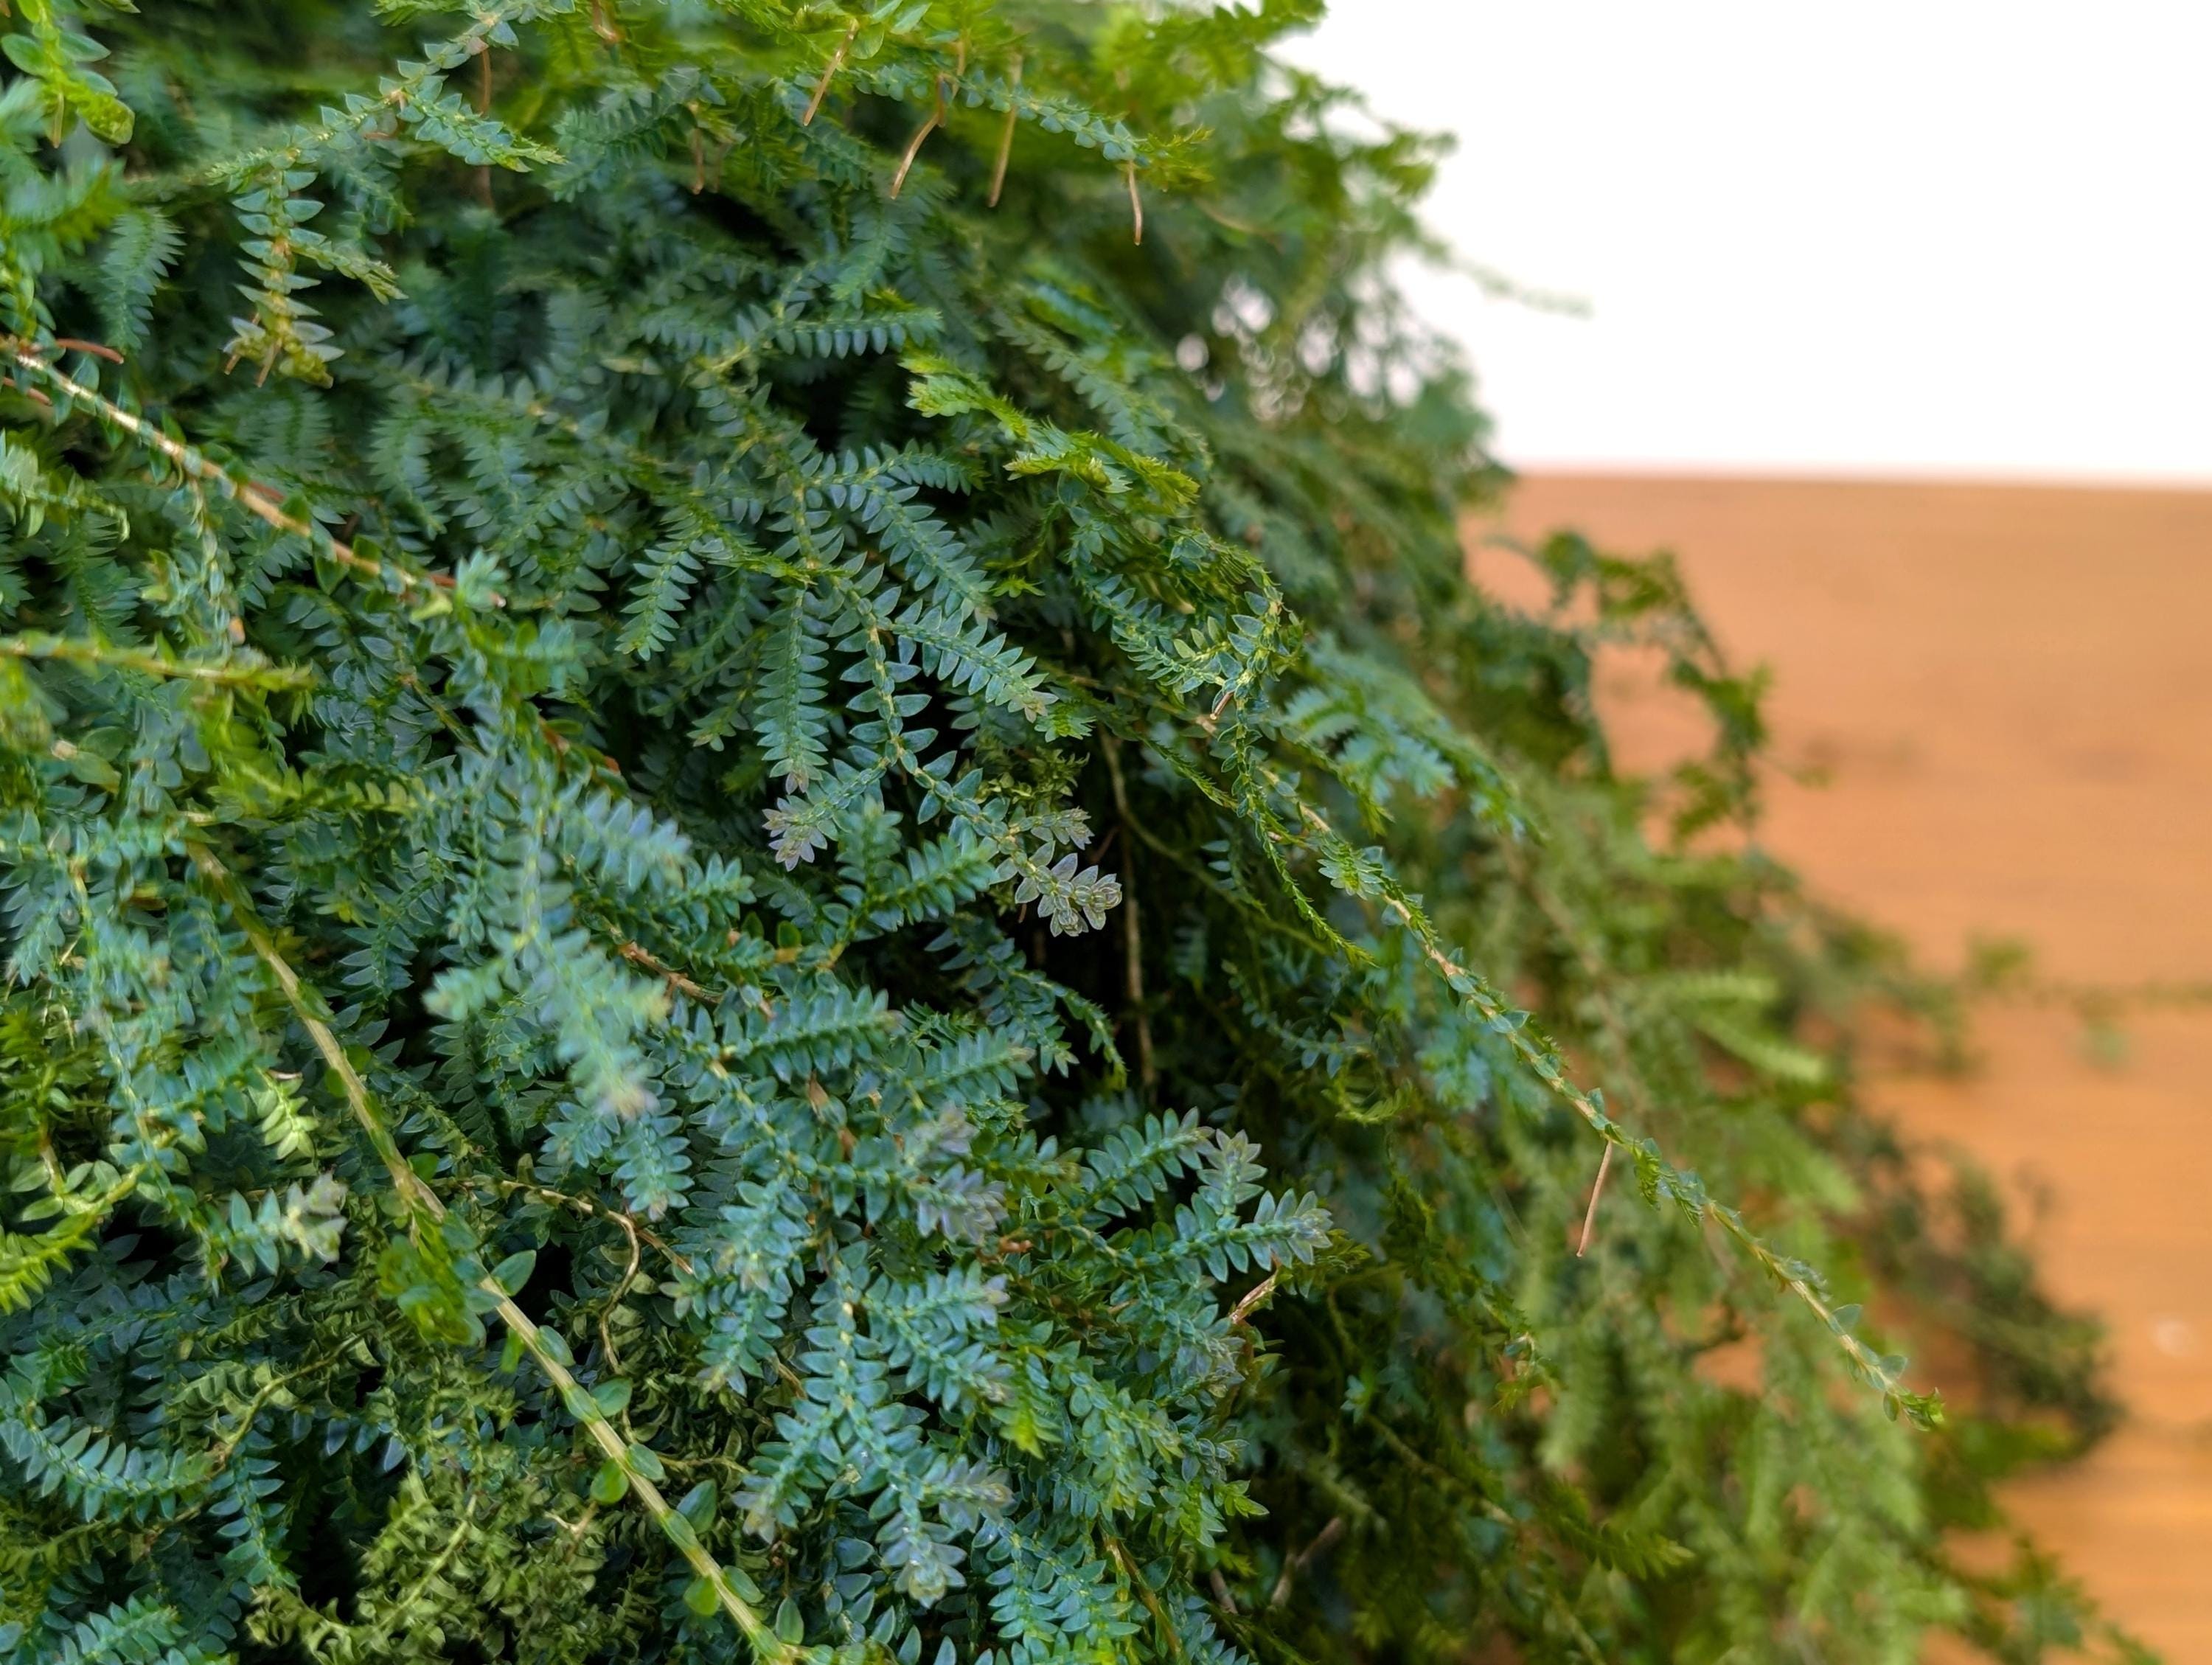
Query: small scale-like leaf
(609, 1483)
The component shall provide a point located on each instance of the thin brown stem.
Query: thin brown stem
(1005, 136)
(914, 149)
(676, 980)
(828, 73)
(586, 1207)
(483, 108)
(615, 1297)
(73, 344)
(1589, 1214)
(1133, 938)
(937, 116)
(1304, 1558)
(1137, 235)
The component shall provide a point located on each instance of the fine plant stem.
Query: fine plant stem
(248, 495)
(1146, 1594)
(1305, 1558)
(77, 650)
(1597, 1190)
(1538, 1055)
(676, 980)
(828, 73)
(931, 123)
(483, 108)
(1133, 957)
(591, 1209)
(1869, 1364)
(1005, 135)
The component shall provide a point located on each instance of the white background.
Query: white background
(1856, 236)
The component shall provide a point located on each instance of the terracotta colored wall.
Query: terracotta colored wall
(2010, 690)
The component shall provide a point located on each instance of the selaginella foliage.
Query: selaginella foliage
(767, 893)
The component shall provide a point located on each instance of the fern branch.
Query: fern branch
(545, 1350)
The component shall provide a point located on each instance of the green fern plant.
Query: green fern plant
(769, 896)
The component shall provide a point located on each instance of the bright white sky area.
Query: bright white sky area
(1964, 237)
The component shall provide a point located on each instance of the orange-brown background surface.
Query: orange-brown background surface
(2009, 690)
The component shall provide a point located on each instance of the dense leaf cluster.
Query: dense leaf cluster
(711, 716)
